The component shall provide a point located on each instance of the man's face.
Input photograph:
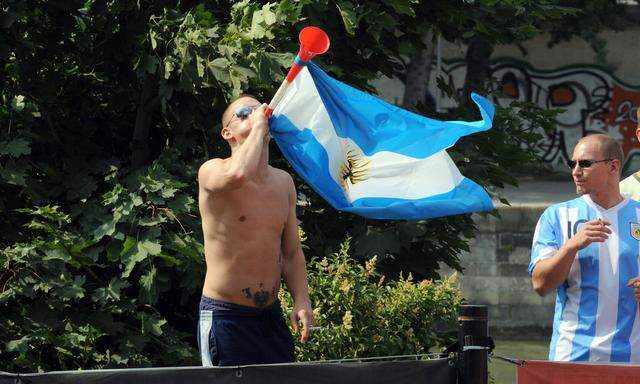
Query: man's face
(236, 126)
(592, 178)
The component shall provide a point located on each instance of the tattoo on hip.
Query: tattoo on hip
(262, 297)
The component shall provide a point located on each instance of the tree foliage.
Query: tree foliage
(106, 111)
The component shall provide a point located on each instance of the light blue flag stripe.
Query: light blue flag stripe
(466, 197)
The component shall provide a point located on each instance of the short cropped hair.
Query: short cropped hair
(609, 147)
(226, 111)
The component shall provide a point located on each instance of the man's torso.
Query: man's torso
(596, 317)
(242, 237)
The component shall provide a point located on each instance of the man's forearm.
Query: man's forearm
(247, 157)
(548, 274)
(295, 277)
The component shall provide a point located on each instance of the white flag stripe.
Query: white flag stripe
(395, 175)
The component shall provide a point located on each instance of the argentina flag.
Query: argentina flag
(369, 157)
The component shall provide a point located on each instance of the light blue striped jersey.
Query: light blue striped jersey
(596, 316)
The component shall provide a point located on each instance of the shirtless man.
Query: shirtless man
(250, 242)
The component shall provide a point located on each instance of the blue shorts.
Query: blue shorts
(233, 334)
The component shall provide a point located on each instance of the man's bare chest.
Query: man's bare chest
(255, 206)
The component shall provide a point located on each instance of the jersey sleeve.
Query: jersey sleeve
(545, 239)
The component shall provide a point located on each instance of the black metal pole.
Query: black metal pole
(472, 337)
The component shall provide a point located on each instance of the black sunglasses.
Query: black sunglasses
(584, 163)
(242, 113)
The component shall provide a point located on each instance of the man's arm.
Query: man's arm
(549, 273)
(219, 175)
(294, 269)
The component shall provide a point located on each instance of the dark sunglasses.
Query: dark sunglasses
(242, 113)
(584, 163)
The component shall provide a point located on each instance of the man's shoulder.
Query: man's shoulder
(573, 203)
(632, 204)
(281, 174)
(211, 164)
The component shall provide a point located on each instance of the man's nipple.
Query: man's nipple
(242, 218)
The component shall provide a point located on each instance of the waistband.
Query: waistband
(220, 306)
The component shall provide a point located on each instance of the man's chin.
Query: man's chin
(581, 191)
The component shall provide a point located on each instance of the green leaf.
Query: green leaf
(15, 148)
(169, 66)
(73, 291)
(21, 345)
(150, 247)
(135, 254)
(57, 254)
(112, 292)
(18, 103)
(257, 26)
(402, 6)
(349, 16)
(15, 172)
(220, 62)
(200, 64)
(108, 228)
(152, 38)
(152, 324)
(181, 204)
(269, 17)
(283, 59)
(151, 221)
(168, 192)
(468, 34)
(244, 72)
(149, 292)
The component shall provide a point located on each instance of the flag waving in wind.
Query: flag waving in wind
(366, 156)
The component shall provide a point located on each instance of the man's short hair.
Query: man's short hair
(609, 147)
(226, 110)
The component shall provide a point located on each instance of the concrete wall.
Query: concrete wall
(495, 270)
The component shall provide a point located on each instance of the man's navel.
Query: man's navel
(242, 218)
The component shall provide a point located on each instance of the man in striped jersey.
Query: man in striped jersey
(587, 250)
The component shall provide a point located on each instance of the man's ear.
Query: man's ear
(638, 129)
(226, 133)
(616, 166)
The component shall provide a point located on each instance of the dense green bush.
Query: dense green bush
(95, 288)
(362, 315)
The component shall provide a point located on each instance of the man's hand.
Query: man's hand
(635, 283)
(302, 313)
(260, 122)
(594, 231)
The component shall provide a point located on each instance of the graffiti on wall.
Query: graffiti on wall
(594, 100)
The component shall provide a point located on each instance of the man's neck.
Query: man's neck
(607, 199)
